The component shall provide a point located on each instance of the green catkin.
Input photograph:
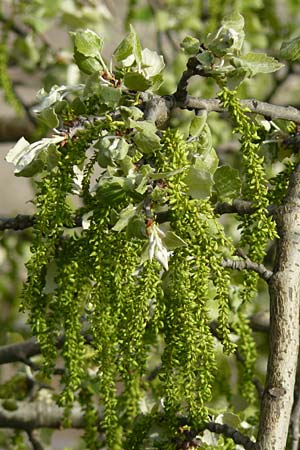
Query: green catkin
(257, 228)
(247, 349)
(188, 359)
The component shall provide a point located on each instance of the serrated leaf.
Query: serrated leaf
(290, 49)
(256, 63)
(87, 42)
(125, 215)
(227, 183)
(152, 63)
(130, 46)
(135, 81)
(199, 182)
(190, 45)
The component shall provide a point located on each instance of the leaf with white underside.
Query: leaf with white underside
(23, 153)
(256, 63)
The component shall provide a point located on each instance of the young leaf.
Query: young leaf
(130, 46)
(125, 215)
(136, 81)
(23, 153)
(87, 42)
(152, 63)
(227, 183)
(290, 49)
(199, 183)
(190, 45)
(87, 64)
(197, 124)
(256, 63)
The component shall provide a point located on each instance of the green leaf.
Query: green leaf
(207, 160)
(199, 183)
(152, 63)
(136, 228)
(256, 63)
(111, 190)
(197, 124)
(87, 42)
(125, 215)
(172, 241)
(190, 45)
(236, 77)
(146, 138)
(227, 183)
(234, 21)
(130, 46)
(206, 58)
(109, 95)
(290, 49)
(229, 38)
(88, 65)
(110, 150)
(135, 81)
(49, 117)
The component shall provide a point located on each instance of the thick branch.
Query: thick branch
(254, 106)
(284, 325)
(247, 264)
(159, 108)
(38, 414)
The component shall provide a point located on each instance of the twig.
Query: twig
(254, 106)
(19, 352)
(241, 207)
(20, 222)
(247, 264)
(235, 435)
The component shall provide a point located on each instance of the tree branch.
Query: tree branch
(38, 414)
(247, 264)
(235, 435)
(265, 109)
(284, 325)
(19, 352)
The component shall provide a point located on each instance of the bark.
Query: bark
(38, 414)
(284, 325)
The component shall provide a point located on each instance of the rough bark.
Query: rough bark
(284, 325)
